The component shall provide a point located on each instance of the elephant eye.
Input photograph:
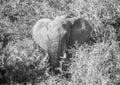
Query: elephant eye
(67, 25)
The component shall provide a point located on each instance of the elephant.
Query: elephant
(55, 36)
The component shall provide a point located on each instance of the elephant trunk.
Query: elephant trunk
(53, 51)
(54, 61)
(57, 49)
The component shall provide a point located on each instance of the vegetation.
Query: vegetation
(21, 61)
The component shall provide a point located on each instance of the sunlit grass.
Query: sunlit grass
(90, 65)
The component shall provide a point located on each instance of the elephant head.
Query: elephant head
(56, 35)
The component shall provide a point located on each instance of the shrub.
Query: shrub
(24, 62)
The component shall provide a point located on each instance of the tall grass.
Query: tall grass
(90, 65)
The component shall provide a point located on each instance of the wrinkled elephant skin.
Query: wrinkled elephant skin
(54, 36)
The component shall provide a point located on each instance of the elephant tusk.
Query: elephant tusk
(64, 56)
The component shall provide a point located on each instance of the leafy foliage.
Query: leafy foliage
(21, 61)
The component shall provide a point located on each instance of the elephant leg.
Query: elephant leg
(90, 41)
(66, 64)
(65, 68)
